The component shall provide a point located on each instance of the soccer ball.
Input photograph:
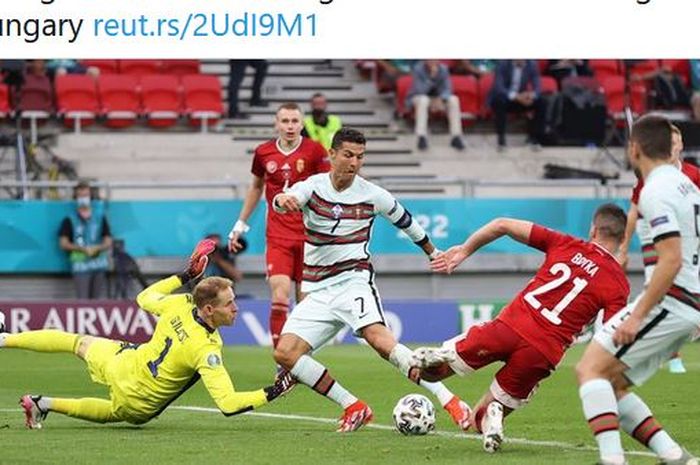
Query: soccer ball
(414, 415)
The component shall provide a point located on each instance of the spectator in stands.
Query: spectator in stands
(476, 68)
(36, 68)
(695, 86)
(222, 262)
(320, 125)
(430, 92)
(516, 88)
(389, 71)
(85, 234)
(236, 74)
(562, 69)
(669, 90)
(61, 67)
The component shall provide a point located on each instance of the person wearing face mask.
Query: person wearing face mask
(320, 125)
(85, 235)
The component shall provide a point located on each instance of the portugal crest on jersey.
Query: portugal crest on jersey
(337, 211)
(300, 165)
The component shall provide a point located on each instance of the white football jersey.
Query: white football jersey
(338, 226)
(670, 205)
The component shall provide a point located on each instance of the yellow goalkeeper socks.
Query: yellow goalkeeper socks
(90, 409)
(46, 340)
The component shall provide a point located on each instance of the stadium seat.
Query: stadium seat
(160, 94)
(119, 99)
(35, 102)
(485, 84)
(548, 85)
(5, 108)
(105, 66)
(643, 67)
(139, 67)
(679, 67)
(467, 91)
(403, 84)
(613, 88)
(76, 100)
(605, 68)
(179, 67)
(202, 97)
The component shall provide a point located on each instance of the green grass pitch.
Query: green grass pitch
(299, 428)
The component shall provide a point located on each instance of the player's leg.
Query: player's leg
(280, 289)
(594, 371)
(36, 409)
(675, 364)
(45, 340)
(383, 341)
(513, 386)
(310, 327)
(280, 257)
(644, 357)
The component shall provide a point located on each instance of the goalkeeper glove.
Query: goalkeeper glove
(283, 384)
(198, 261)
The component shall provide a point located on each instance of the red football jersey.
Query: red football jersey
(280, 170)
(576, 280)
(690, 170)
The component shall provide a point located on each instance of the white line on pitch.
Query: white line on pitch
(279, 416)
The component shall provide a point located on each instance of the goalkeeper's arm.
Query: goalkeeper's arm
(230, 402)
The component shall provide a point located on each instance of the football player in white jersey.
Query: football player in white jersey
(339, 209)
(633, 344)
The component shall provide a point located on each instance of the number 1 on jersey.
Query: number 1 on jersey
(553, 315)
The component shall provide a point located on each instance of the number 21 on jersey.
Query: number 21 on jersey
(562, 273)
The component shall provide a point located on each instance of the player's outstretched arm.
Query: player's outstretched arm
(229, 401)
(153, 298)
(252, 198)
(516, 229)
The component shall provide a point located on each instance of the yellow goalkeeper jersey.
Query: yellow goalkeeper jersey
(183, 349)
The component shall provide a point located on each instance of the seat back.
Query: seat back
(202, 94)
(160, 94)
(179, 67)
(403, 85)
(120, 102)
(5, 108)
(467, 91)
(76, 93)
(36, 94)
(139, 67)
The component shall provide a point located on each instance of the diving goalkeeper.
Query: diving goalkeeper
(144, 379)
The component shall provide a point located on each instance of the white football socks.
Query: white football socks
(636, 417)
(313, 374)
(600, 410)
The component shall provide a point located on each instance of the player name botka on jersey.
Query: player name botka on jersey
(588, 265)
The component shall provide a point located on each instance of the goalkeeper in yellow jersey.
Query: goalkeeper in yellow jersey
(145, 379)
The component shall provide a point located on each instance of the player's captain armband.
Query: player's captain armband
(241, 227)
(658, 221)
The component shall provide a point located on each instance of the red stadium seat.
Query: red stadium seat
(202, 96)
(160, 94)
(678, 67)
(485, 84)
(403, 84)
(467, 91)
(605, 68)
(548, 85)
(35, 102)
(105, 66)
(119, 99)
(139, 67)
(644, 67)
(179, 67)
(5, 108)
(76, 98)
(614, 90)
